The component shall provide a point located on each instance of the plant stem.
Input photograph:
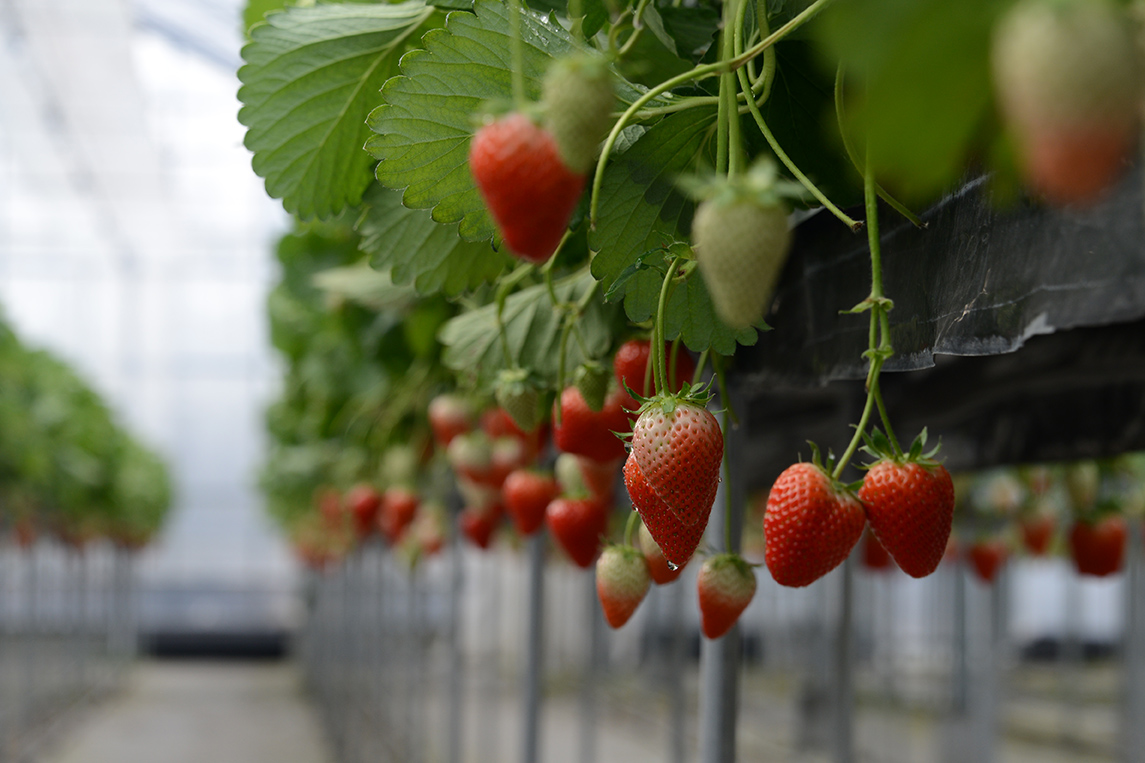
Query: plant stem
(637, 29)
(630, 527)
(753, 107)
(729, 111)
(878, 391)
(698, 72)
(661, 309)
(858, 437)
(518, 72)
(699, 372)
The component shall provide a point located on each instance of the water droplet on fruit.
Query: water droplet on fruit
(673, 566)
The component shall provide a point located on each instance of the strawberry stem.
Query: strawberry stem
(630, 527)
(699, 373)
(518, 52)
(658, 345)
(756, 114)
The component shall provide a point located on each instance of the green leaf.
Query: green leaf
(693, 30)
(454, 5)
(533, 332)
(595, 16)
(360, 283)
(425, 124)
(416, 250)
(311, 77)
(640, 208)
(924, 66)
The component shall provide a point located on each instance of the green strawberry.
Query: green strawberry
(519, 397)
(578, 100)
(741, 241)
(592, 380)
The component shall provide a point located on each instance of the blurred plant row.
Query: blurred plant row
(67, 468)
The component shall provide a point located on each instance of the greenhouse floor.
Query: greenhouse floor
(191, 712)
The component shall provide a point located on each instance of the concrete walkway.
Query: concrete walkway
(193, 712)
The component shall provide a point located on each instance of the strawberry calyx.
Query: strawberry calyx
(881, 448)
(761, 185)
(828, 466)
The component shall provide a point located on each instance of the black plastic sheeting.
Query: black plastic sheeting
(976, 281)
(1023, 329)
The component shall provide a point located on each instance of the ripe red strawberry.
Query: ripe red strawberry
(478, 526)
(399, 505)
(622, 581)
(529, 191)
(449, 416)
(875, 557)
(1098, 547)
(987, 558)
(679, 447)
(811, 524)
(1037, 532)
(585, 433)
(726, 585)
(578, 100)
(1067, 78)
(525, 495)
(662, 573)
(631, 363)
(364, 501)
(677, 541)
(910, 507)
(496, 422)
(741, 241)
(578, 524)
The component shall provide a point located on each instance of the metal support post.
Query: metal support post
(534, 668)
(720, 659)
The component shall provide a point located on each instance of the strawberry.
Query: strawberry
(599, 476)
(519, 398)
(910, 506)
(630, 366)
(428, 529)
(578, 524)
(679, 446)
(449, 416)
(578, 100)
(726, 586)
(658, 567)
(497, 422)
(987, 558)
(529, 191)
(479, 495)
(677, 541)
(471, 456)
(478, 526)
(875, 557)
(363, 501)
(622, 581)
(399, 505)
(741, 241)
(525, 495)
(811, 524)
(1066, 77)
(591, 378)
(1098, 547)
(585, 433)
(1037, 532)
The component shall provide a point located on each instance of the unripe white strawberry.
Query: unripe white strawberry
(1067, 78)
(740, 246)
(622, 580)
(578, 100)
